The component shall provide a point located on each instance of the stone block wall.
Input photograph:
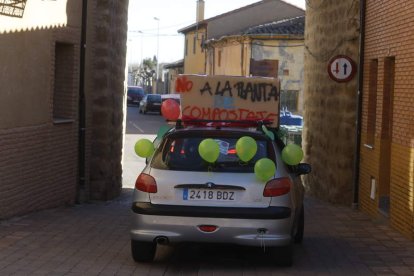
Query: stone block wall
(332, 28)
(105, 96)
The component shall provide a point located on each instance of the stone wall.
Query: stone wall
(105, 96)
(332, 28)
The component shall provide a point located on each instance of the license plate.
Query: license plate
(157, 104)
(206, 194)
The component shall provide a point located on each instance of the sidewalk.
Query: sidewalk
(93, 239)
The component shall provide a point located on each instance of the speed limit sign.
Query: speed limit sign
(341, 68)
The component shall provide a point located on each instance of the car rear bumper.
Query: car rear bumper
(271, 212)
(153, 108)
(176, 227)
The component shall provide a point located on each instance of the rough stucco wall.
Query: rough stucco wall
(290, 57)
(332, 28)
(105, 96)
(38, 155)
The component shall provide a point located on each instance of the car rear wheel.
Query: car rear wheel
(298, 238)
(143, 251)
(145, 111)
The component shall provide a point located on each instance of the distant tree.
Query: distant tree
(145, 73)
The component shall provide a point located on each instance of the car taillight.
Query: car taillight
(146, 183)
(277, 187)
(207, 228)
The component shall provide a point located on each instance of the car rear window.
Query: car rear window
(138, 91)
(154, 98)
(181, 154)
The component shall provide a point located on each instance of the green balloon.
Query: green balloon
(265, 169)
(246, 148)
(292, 154)
(209, 150)
(144, 148)
(270, 135)
(162, 131)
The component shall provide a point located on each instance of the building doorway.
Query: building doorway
(386, 136)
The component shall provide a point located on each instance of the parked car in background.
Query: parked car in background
(175, 97)
(135, 94)
(150, 103)
(179, 197)
(288, 119)
(291, 127)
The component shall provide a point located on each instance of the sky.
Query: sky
(148, 37)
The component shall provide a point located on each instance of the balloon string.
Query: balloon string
(209, 170)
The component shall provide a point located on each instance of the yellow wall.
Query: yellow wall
(233, 58)
(194, 63)
(236, 54)
(401, 184)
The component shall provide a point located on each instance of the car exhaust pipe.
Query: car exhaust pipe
(162, 240)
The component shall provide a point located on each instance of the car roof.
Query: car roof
(230, 131)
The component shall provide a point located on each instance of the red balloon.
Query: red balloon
(170, 109)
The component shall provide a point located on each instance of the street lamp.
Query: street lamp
(142, 46)
(158, 43)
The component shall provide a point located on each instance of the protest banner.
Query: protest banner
(232, 98)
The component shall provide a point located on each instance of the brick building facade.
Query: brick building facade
(387, 140)
(43, 84)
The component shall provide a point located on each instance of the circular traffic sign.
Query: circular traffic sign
(341, 68)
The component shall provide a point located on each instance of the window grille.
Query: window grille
(13, 8)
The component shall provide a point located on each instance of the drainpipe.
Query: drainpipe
(82, 117)
(362, 7)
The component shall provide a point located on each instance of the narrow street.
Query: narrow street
(137, 126)
(93, 238)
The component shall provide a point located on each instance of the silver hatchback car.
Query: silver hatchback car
(179, 197)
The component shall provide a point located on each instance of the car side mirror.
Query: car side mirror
(302, 168)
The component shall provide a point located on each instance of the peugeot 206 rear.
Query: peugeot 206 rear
(189, 193)
(179, 197)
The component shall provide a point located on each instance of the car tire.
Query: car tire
(140, 111)
(145, 111)
(143, 251)
(298, 238)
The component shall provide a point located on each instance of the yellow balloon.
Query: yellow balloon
(144, 148)
(246, 148)
(209, 150)
(265, 169)
(292, 154)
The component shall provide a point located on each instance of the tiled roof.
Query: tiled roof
(292, 26)
(178, 63)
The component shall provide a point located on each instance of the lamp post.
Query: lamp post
(142, 45)
(158, 43)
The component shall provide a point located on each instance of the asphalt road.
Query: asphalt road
(147, 124)
(138, 126)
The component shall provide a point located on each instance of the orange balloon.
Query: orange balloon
(170, 109)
